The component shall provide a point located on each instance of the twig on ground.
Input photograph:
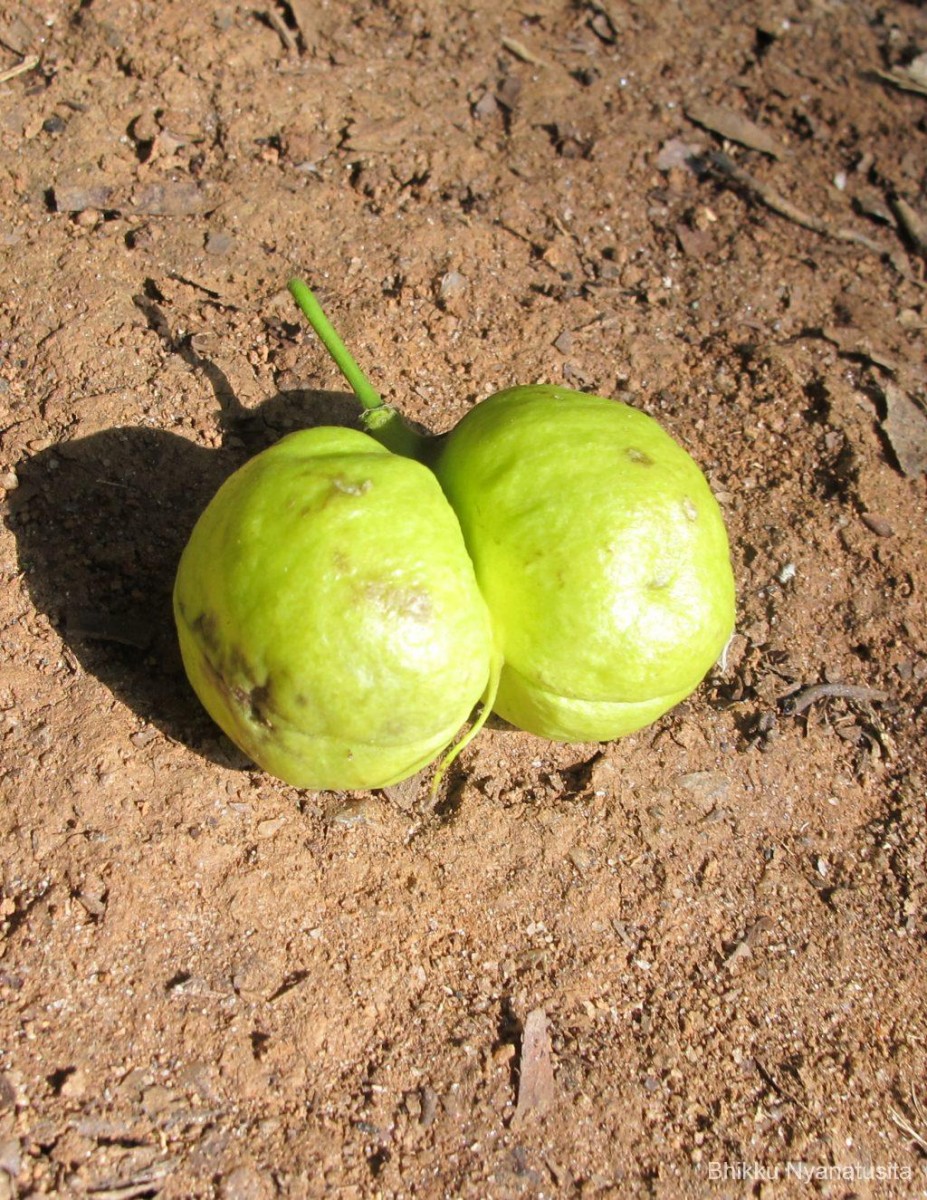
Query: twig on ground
(799, 701)
(911, 223)
(722, 166)
(903, 80)
(280, 28)
(30, 61)
(918, 1136)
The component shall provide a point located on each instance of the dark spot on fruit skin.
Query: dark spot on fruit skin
(254, 701)
(206, 628)
(259, 703)
(238, 667)
(641, 457)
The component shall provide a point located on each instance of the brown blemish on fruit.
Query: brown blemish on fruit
(409, 601)
(206, 628)
(254, 703)
(351, 487)
(259, 703)
(641, 457)
(338, 487)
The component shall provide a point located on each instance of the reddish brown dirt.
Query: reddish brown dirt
(215, 985)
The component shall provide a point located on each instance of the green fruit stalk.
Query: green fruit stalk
(598, 546)
(328, 613)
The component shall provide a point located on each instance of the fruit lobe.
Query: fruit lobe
(601, 553)
(328, 613)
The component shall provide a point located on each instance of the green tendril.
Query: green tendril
(487, 701)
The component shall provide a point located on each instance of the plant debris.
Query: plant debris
(536, 1073)
(726, 170)
(796, 703)
(733, 127)
(905, 426)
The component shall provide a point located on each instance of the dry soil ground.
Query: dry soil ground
(687, 964)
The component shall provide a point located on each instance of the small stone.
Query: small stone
(218, 242)
(156, 1100)
(452, 291)
(879, 525)
(677, 153)
(74, 1085)
(246, 1183)
(353, 812)
(706, 785)
(11, 1157)
(485, 106)
(581, 858)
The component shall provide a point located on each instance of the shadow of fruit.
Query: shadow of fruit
(100, 523)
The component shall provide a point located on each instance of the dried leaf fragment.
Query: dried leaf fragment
(521, 51)
(376, 135)
(905, 426)
(167, 199)
(912, 78)
(911, 224)
(536, 1072)
(731, 125)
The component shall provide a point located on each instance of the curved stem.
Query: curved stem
(488, 700)
(380, 420)
(363, 389)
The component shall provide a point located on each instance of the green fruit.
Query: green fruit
(602, 556)
(328, 613)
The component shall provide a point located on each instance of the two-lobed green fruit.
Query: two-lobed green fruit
(601, 553)
(333, 624)
(328, 614)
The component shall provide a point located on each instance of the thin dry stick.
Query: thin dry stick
(903, 80)
(26, 65)
(907, 1127)
(723, 166)
(912, 224)
(280, 28)
(820, 691)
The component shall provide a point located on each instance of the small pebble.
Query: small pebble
(787, 572)
(11, 1158)
(218, 243)
(246, 1183)
(353, 812)
(878, 525)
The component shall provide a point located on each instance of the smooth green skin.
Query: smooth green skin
(328, 613)
(602, 556)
